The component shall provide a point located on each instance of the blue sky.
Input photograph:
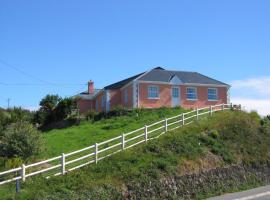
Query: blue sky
(57, 46)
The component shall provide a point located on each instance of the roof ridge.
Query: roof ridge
(180, 71)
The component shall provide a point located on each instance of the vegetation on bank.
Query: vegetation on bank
(226, 138)
(26, 137)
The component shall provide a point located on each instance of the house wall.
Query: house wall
(99, 100)
(84, 105)
(164, 100)
(202, 94)
(165, 96)
(129, 103)
(115, 98)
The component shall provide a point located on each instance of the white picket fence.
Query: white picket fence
(71, 161)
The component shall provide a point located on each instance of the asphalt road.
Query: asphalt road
(261, 193)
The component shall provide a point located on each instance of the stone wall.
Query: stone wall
(206, 182)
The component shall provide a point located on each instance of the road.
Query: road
(261, 193)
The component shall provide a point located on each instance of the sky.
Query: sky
(55, 47)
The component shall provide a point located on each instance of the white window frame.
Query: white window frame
(216, 94)
(196, 93)
(150, 92)
(125, 95)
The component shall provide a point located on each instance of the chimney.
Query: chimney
(91, 87)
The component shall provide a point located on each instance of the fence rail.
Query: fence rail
(74, 160)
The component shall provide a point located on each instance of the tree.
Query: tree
(64, 108)
(47, 106)
(20, 139)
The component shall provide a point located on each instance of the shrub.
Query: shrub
(45, 114)
(90, 115)
(118, 111)
(64, 108)
(13, 163)
(19, 114)
(20, 139)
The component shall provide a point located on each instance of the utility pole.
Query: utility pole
(8, 101)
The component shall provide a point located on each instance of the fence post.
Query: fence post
(63, 164)
(145, 133)
(183, 119)
(18, 186)
(223, 107)
(240, 107)
(166, 125)
(96, 153)
(123, 141)
(23, 172)
(211, 110)
(231, 106)
(197, 113)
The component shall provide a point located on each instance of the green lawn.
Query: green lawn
(87, 133)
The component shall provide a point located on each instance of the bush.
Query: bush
(13, 163)
(118, 111)
(20, 139)
(45, 114)
(54, 109)
(64, 108)
(90, 115)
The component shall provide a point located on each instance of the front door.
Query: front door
(175, 96)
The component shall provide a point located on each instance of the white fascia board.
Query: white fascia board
(206, 85)
(157, 82)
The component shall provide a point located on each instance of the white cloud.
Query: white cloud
(252, 93)
(260, 105)
(259, 86)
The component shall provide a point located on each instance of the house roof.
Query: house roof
(122, 83)
(162, 75)
(87, 95)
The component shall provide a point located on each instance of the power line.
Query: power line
(20, 71)
(45, 83)
(41, 84)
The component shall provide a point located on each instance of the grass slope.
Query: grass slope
(224, 139)
(87, 133)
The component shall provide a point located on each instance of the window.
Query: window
(153, 92)
(126, 96)
(212, 94)
(175, 92)
(192, 93)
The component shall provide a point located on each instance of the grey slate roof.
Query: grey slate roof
(122, 83)
(86, 95)
(162, 75)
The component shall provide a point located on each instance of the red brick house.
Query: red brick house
(156, 88)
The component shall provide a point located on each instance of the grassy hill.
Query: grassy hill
(226, 139)
(59, 141)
